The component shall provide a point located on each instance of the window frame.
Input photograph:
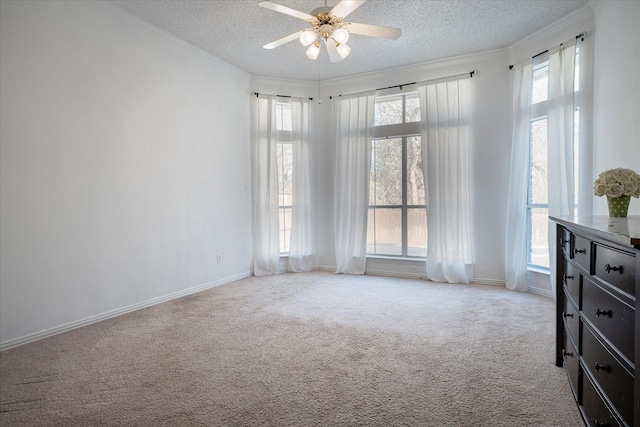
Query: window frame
(403, 131)
(283, 137)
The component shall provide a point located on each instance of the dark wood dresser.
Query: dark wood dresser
(597, 286)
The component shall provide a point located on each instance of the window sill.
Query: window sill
(538, 270)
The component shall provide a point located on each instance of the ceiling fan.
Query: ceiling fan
(328, 26)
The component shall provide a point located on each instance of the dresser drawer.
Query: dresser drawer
(582, 252)
(616, 268)
(571, 279)
(571, 364)
(571, 319)
(595, 410)
(610, 316)
(565, 240)
(614, 380)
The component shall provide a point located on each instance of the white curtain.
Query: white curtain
(444, 106)
(266, 234)
(516, 221)
(266, 231)
(353, 118)
(560, 137)
(301, 244)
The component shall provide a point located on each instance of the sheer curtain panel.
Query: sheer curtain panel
(444, 108)
(353, 118)
(301, 244)
(266, 243)
(516, 225)
(561, 130)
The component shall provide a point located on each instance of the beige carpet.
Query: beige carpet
(313, 349)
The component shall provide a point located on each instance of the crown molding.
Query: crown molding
(582, 18)
(426, 70)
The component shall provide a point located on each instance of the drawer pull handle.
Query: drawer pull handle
(566, 353)
(567, 314)
(599, 367)
(603, 312)
(565, 277)
(609, 269)
(564, 241)
(579, 251)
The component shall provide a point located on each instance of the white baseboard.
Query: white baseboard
(539, 283)
(541, 292)
(408, 275)
(331, 268)
(492, 282)
(118, 312)
(398, 274)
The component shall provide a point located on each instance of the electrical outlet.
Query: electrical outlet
(413, 269)
(219, 258)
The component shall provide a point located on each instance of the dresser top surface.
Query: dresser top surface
(621, 230)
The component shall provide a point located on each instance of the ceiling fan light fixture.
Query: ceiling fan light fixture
(328, 25)
(307, 37)
(341, 35)
(313, 51)
(343, 50)
(326, 31)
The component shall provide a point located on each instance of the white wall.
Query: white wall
(616, 132)
(124, 159)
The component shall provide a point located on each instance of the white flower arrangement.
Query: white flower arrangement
(616, 183)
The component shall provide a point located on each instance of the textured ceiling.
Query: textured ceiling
(236, 30)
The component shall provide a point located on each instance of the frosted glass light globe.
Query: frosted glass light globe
(307, 37)
(343, 50)
(341, 35)
(313, 51)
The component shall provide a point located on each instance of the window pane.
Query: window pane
(412, 108)
(415, 178)
(540, 86)
(285, 229)
(417, 232)
(539, 237)
(285, 173)
(384, 231)
(283, 116)
(388, 111)
(538, 172)
(385, 185)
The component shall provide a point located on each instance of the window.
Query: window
(537, 199)
(284, 148)
(397, 222)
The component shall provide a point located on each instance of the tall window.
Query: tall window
(284, 150)
(537, 200)
(397, 222)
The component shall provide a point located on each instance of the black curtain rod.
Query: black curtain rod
(582, 35)
(280, 96)
(400, 86)
(406, 84)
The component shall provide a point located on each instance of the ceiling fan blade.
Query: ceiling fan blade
(284, 40)
(374, 31)
(334, 56)
(345, 7)
(286, 10)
